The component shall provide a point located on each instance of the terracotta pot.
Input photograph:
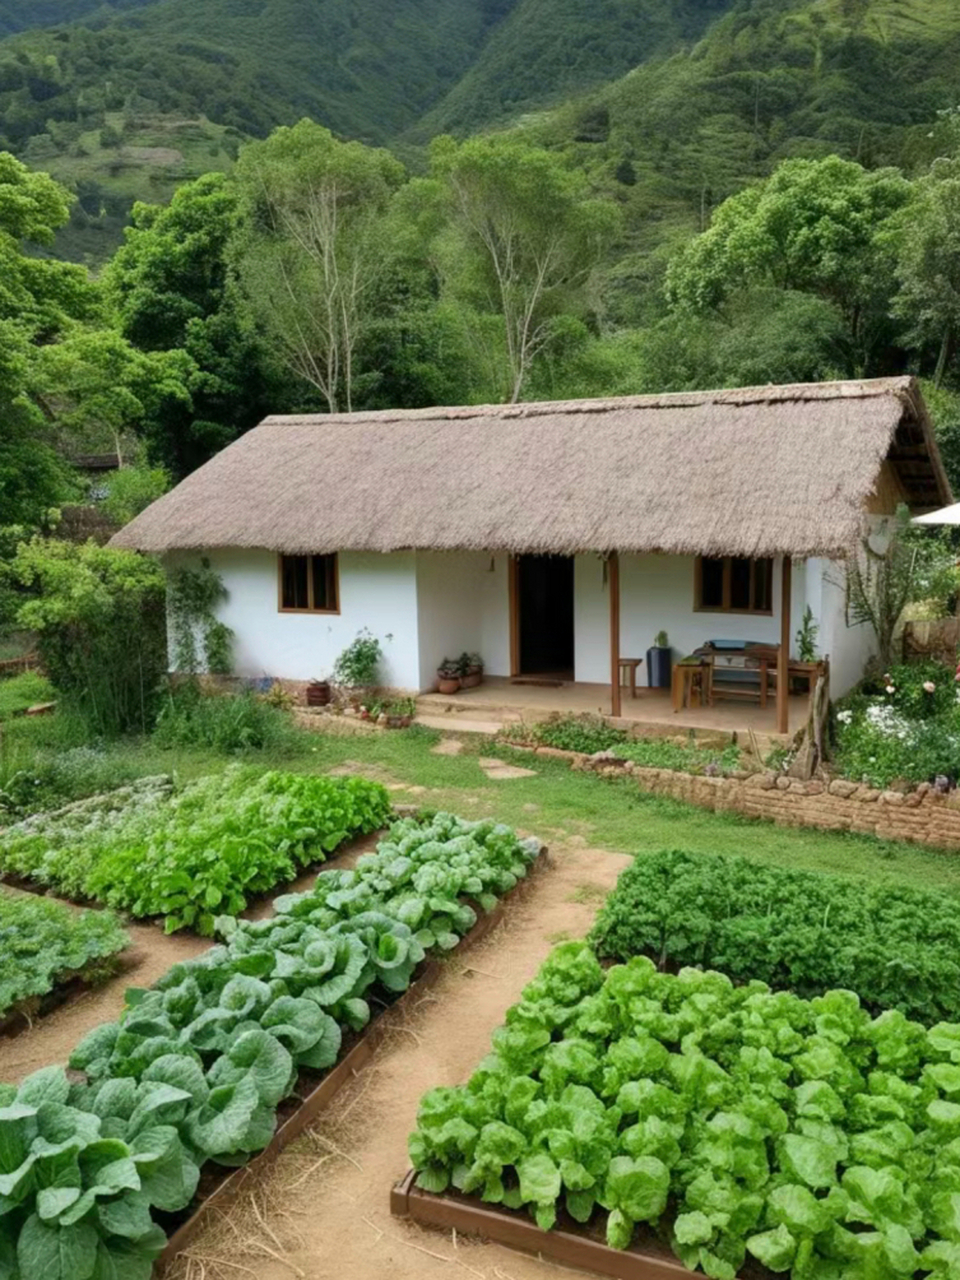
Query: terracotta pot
(471, 680)
(448, 684)
(318, 695)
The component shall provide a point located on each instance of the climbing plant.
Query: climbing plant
(193, 593)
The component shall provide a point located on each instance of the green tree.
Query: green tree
(312, 248)
(523, 239)
(39, 299)
(822, 227)
(929, 263)
(170, 286)
(100, 618)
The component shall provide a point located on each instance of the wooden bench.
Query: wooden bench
(628, 673)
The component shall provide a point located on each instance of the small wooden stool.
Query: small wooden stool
(628, 669)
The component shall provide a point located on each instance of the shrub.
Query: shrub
(223, 722)
(906, 728)
(359, 665)
(734, 1120)
(590, 734)
(100, 619)
(896, 947)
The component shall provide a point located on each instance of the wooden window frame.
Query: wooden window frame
(281, 608)
(725, 606)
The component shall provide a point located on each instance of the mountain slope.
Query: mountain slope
(547, 50)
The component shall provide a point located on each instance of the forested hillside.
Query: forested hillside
(671, 104)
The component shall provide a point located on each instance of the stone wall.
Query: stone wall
(923, 816)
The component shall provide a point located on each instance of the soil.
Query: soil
(53, 1037)
(322, 1209)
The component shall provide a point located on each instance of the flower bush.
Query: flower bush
(906, 728)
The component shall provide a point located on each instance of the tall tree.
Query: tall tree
(523, 240)
(171, 289)
(929, 263)
(39, 299)
(312, 248)
(823, 227)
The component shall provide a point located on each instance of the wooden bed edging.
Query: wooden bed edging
(515, 1231)
(430, 973)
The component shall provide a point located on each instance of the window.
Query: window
(733, 584)
(309, 584)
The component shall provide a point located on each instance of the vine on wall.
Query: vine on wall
(198, 634)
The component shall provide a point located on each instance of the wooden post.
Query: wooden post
(613, 582)
(513, 587)
(783, 653)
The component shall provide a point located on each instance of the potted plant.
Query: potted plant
(659, 662)
(448, 676)
(470, 666)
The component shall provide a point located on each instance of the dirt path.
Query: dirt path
(53, 1037)
(322, 1209)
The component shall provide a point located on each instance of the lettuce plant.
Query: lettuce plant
(737, 1121)
(202, 852)
(42, 942)
(80, 1170)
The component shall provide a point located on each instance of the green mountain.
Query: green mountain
(672, 104)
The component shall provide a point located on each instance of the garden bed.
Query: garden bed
(315, 1091)
(569, 1245)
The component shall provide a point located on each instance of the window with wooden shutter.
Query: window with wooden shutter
(733, 584)
(309, 584)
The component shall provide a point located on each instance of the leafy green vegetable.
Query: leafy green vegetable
(197, 854)
(43, 943)
(735, 1119)
(898, 948)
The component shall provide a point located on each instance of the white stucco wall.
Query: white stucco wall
(463, 604)
(849, 648)
(657, 593)
(378, 592)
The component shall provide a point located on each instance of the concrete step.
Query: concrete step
(459, 724)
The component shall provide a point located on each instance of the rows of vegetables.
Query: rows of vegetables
(188, 855)
(196, 1067)
(897, 947)
(44, 943)
(734, 1121)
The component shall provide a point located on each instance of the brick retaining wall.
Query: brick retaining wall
(922, 816)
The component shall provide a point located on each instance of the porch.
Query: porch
(500, 700)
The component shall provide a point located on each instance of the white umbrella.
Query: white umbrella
(946, 515)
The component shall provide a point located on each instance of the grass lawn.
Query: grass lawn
(26, 690)
(560, 805)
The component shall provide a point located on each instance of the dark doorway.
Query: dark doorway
(545, 606)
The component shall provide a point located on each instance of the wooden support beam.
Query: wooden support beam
(613, 583)
(513, 587)
(783, 653)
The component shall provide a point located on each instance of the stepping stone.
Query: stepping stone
(448, 747)
(499, 771)
(464, 724)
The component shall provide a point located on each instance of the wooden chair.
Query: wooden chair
(628, 673)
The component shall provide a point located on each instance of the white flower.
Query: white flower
(846, 717)
(891, 689)
(929, 686)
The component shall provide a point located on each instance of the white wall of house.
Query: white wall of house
(657, 594)
(378, 592)
(425, 606)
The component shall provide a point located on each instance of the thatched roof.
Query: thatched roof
(763, 471)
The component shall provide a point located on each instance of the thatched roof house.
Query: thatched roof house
(555, 537)
(759, 472)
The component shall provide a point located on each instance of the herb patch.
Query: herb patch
(895, 946)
